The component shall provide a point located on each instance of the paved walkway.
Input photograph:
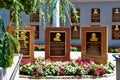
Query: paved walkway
(75, 55)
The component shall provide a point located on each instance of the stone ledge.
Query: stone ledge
(67, 77)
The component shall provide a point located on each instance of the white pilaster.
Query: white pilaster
(56, 21)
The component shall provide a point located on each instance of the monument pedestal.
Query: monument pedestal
(95, 44)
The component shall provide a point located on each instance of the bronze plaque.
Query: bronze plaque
(95, 44)
(95, 15)
(116, 32)
(26, 38)
(34, 17)
(57, 42)
(73, 19)
(36, 31)
(116, 15)
(75, 32)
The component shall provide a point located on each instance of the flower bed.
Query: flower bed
(111, 49)
(114, 49)
(75, 48)
(39, 47)
(78, 67)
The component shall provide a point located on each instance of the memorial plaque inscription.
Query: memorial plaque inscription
(93, 43)
(95, 15)
(116, 32)
(57, 44)
(24, 43)
(75, 32)
(34, 17)
(116, 15)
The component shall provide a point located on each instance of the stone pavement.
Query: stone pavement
(75, 55)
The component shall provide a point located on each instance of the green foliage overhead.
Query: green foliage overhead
(44, 7)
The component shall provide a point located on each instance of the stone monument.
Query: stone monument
(26, 39)
(95, 44)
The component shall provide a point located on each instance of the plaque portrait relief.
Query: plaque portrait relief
(57, 44)
(116, 32)
(57, 37)
(116, 15)
(93, 43)
(75, 32)
(95, 15)
(73, 19)
(34, 17)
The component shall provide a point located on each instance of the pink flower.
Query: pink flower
(24, 62)
(39, 63)
(83, 62)
(62, 71)
(99, 72)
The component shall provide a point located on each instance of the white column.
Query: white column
(56, 21)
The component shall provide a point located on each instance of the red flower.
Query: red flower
(37, 45)
(78, 47)
(110, 49)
